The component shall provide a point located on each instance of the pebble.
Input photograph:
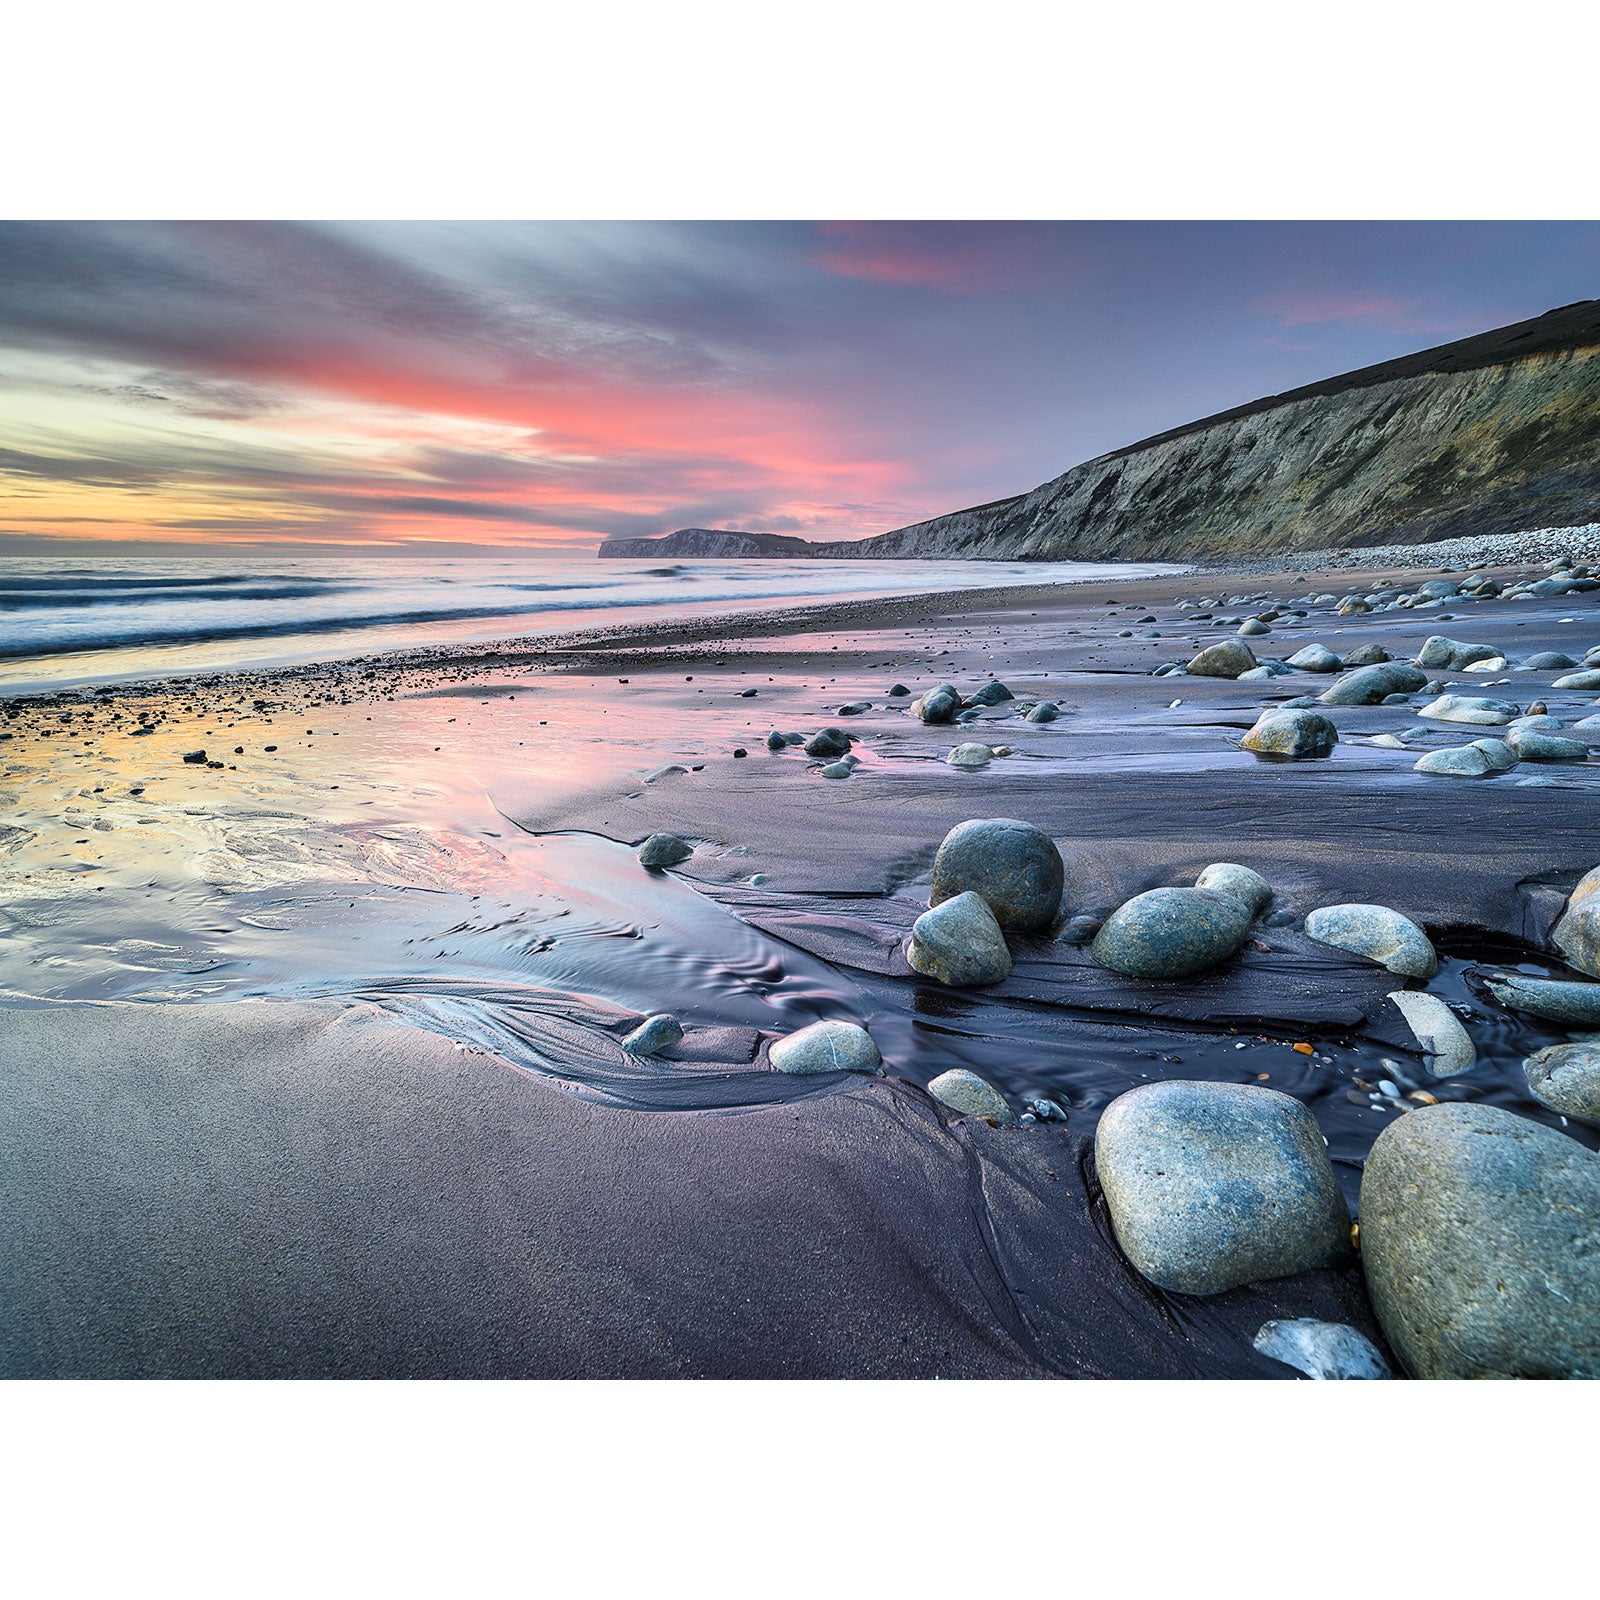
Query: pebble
(1045, 711)
(1228, 659)
(1291, 735)
(1322, 1349)
(825, 1047)
(654, 1035)
(1447, 1046)
(664, 850)
(972, 1096)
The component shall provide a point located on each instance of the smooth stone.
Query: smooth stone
(1079, 930)
(970, 755)
(1377, 932)
(1566, 1078)
(1480, 1243)
(1439, 651)
(856, 708)
(1531, 744)
(898, 690)
(1315, 658)
(938, 705)
(671, 770)
(1549, 661)
(1541, 721)
(1588, 722)
(654, 1035)
(1295, 735)
(1045, 711)
(1322, 1349)
(1493, 664)
(776, 741)
(959, 942)
(1578, 680)
(1253, 627)
(828, 742)
(825, 1047)
(1366, 686)
(992, 694)
(1366, 655)
(1459, 761)
(838, 769)
(1171, 933)
(1500, 756)
(1250, 889)
(1215, 1185)
(1225, 660)
(972, 1096)
(1577, 934)
(1470, 708)
(664, 850)
(1013, 865)
(1446, 1045)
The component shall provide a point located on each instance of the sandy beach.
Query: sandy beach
(315, 983)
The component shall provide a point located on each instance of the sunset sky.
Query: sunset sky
(456, 386)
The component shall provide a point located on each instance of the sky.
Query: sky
(457, 387)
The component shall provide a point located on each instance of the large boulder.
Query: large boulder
(1470, 708)
(938, 705)
(1368, 686)
(1013, 865)
(972, 1096)
(1566, 1077)
(1573, 1004)
(1534, 744)
(1172, 933)
(825, 1047)
(1291, 735)
(1224, 660)
(1213, 1185)
(1378, 933)
(992, 694)
(1480, 1240)
(1577, 934)
(959, 942)
(1452, 653)
(1578, 680)
(1459, 761)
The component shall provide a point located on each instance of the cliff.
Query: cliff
(712, 543)
(1487, 435)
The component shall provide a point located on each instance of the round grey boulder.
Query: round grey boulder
(838, 769)
(825, 1047)
(1214, 1185)
(1292, 735)
(1045, 711)
(1578, 680)
(1368, 686)
(1315, 658)
(1252, 626)
(1014, 866)
(1459, 761)
(654, 1035)
(1378, 933)
(1470, 708)
(1225, 660)
(664, 850)
(938, 705)
(1452, 653)
(1322, 1349)
(1500, 756)
(959, 942)
(972, 1096)
(1480, 1241)
(1250, 889)
(1366, 655)
(1549, 661)
(1171, 933)
(1566, 1077)
(992, 694)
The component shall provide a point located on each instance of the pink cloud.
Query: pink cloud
(1359, 308)
(955, 257)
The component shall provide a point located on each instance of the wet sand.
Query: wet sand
(316, 1051)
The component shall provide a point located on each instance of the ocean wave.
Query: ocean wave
(11, 600)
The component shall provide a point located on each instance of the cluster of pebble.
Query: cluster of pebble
(1215, 1185)
(1478, 549)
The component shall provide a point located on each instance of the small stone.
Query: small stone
(1470, 708)
(664, 850)
(992, 694)
(1447, 1046)
(830, 742)
(1171, 933)
(1366, 686)
(825, 1047)
(959, 942)
(972, 1096)
(1578, 680)
(838, 769)
(1215, 1185)
(1549, 661)
(1045, 711)
(1013, 865)
(1459, 761)
(938, 705)
(776, 741)
(1452, 653)
(1531, 744)
(195, 758)
(1378, 933)
(1315, 658)
(1366, 655)
(654, 1035)
(1253, 626)
(1577, 934)
(970, 755)
(1322, 1349)
(898, 691)
(1480, 1244)
(856, 708)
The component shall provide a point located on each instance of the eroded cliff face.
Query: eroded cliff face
(1472, 439)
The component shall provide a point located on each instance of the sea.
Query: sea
(70, 621)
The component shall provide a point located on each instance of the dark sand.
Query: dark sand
(309, 1188)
